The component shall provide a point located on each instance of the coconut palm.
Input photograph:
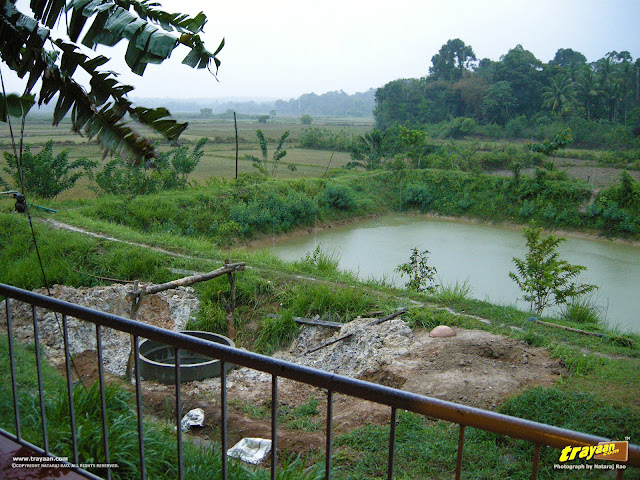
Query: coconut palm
(559, 95)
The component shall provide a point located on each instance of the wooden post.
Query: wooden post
(136, 301)
(231, 327)
(235, 123)
(138, 293)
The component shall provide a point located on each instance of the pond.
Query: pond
(480, 254)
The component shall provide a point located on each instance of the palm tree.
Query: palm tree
(28, 46)
(559, 95)
(588, 90)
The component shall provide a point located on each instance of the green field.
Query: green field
(220, 151)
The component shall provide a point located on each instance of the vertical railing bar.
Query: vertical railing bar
(392, 442)
(103, 400)
(536, 462)
(274, 426)
(329, 442)
(12, 363)
(72, 414)
(176, 351)
(43, 415)
(136, 364)
(223, 417)
(460, 448)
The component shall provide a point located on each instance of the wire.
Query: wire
(18, 159)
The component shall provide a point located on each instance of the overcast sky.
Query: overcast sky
(284, 48)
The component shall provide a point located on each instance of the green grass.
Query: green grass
(159, 438)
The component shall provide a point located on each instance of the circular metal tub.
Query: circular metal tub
(157, 360)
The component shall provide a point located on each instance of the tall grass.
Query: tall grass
(276, 333)
(582, 310)
(159, 438)
(452, 292)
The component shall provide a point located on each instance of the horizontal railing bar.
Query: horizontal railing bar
(432, 407)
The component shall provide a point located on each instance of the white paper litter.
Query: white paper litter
(251, 450)
(193, 417)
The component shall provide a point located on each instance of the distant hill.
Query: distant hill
(330, 104)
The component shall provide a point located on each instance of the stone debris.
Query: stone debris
(170, 309)
(369, 348)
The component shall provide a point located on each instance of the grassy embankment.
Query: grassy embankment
(599, 395)
(600, 392)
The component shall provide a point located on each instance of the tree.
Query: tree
(568, 61)
(43, 174)
(367, 150)
(306, 119)
(419, 272)
(526, 77)
(451, 61)
(549, 147)
(170, 171)
(98, 107)
(497, 103)
(413, 142)
(560, 95)
(543, 278)
(278, 154)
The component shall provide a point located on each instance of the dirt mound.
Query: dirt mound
(474, 368)
(170, 309)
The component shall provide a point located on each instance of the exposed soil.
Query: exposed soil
(474, 368)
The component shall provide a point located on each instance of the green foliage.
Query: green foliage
(70, 258)
(306, 119)
(339, 197)
(459, 127)
(278, 154)
(328, 302)
(276, 333)
(325, 139)
(544, 279)
(418, 270)
(169, 171)
(44, 175)
(575, 411)
(320, 261)
(368, 150)
(582, 311)
(13, 105)
(99, 106)
(550, 147)
(453, 292)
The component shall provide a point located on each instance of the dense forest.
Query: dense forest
(517, 90)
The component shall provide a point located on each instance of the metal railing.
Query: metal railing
(536, 433)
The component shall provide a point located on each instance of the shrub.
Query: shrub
(43, 174)
(339, 197)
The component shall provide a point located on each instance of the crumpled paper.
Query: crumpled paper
(192, 418)
(251, 450)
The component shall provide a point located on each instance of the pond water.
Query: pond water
(480, 254)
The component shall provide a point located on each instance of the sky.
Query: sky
(285, 48)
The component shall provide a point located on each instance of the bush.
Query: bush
(170, 170)
(339, 197)
(43, 174)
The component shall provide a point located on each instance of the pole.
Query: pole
(235, 124)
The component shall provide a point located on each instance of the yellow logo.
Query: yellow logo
(613, 451)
